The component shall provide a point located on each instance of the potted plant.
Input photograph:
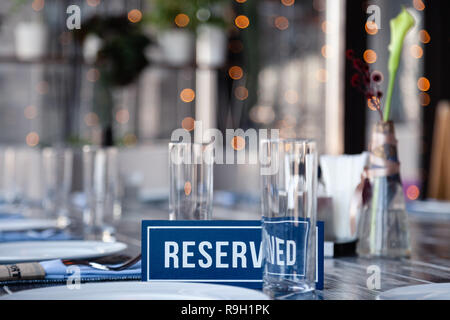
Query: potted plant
(174, 24)
(119, 61)
(30, 34)
(383, 224)
(211, 24)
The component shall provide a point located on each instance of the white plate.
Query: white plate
(26, 251)
(28, 224)
(140, 291)
(435, 291)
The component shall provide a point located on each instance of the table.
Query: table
(345, 278)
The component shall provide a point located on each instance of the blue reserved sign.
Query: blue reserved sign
(227, 252)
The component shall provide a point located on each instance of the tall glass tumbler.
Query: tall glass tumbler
(102, 190)
(289, 208)
(14, 174)
(57, 164)
(191, 180)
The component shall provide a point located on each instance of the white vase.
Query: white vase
(177, 46)
(211, 46)
(30, 40)
(92, 44)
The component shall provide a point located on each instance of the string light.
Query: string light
(241, 93)
(238, 143)
(416, 51)
(135, 15)
(418, 5)
(187, 95)
(242, 22)
(423, 84)
(281, 23)
(182, 20)
(38, 5)
(32, 139)
(235, 72)
(188, 123)
(122, 116)
(30, 112)
(424, 36)
(370, 56)
(93, 75)
(91, 119)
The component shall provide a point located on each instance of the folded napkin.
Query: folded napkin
(54, 271)
(7, 215)
(32, 235)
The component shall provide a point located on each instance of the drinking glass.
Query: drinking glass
(289, 205)
(57, 165)
(14, 174)
(191, 180)
(102, 191)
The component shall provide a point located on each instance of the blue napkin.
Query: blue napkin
(6, 215)
(31, 235)
(56, 271)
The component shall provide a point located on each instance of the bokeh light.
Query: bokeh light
(182, 20)
(91, 119)
(187, 95)
(291, 96)
(412, 192)
(241, 93)
(262, 114)
(370, 56)
(281, 23)
(235, 72)
(287, 3)
(242, 22)
(188, 123)
(326, 27)
(425, 99)
(93, 75)
(371, 28)
(238, 143)
(187, 188)
(32, 139)
(135, 15)
(93, 3)
(327, 51)
(322, 75)
(30, 112)
(418, 5)
(423, 84)
(38, 5)
(122, 116)
(416, 51)
(424, 36)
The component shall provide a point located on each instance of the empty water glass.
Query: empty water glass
(289, 203)
(57, 165)
(14, 174)
(102, 191)
(191, 180)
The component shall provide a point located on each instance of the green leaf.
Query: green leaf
(400, 26)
